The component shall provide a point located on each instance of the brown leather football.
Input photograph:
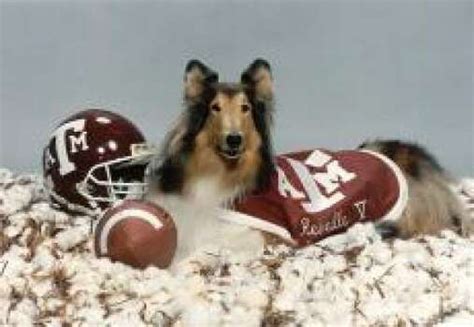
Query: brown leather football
(137, 233)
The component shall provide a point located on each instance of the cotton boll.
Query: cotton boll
(334, 263)
(115, 299)
(43, 213)
(153, 315)
(85, 283)
(12, 231)
(71, 237)
(53, 322)
(41, 287)
(287, 301)
(424, 308)
(118, 283)
(379, 253)
(253, 298)
(381, 310)
(414, 253)
(43, 260)
(164, 277)
(4, 311)
(337, 242)
(14, 261)
(5, 288)
(128, 316)
(337, 315)
(461, 319)
(357, 235)
(19, 285)
(24, 314)
(15, 199)
(92, 315)
(362, 234)
(151, 287)
(17, 223)
(83, 221)
(200, 313)
(53, 304)
(240, 314)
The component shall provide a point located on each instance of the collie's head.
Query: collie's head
(223, 134)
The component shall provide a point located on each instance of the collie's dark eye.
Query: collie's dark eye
(215, 107)
(245, 107)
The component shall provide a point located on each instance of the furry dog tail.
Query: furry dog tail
(432, 204)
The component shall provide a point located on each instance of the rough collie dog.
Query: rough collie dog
(221, 148)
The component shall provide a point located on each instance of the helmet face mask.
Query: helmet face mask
(113, 181)
(93, 159)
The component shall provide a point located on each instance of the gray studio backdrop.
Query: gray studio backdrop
(344, 71)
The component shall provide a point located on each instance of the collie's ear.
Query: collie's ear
(259, 77)
(197, 77)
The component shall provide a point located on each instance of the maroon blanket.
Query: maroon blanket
(317, 193)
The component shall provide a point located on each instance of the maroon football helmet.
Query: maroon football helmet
(94, 158)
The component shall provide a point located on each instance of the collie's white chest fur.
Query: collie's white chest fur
(196, 216)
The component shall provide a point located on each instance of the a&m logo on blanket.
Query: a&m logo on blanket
(314, 194)
(321, 188)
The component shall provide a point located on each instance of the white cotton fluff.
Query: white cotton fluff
(460, 319)
(42, 212)
(24, 313)
(71, 237)
(14, 199)
(4, 310)
(353, 278)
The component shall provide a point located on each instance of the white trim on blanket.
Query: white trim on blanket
(257, 223)
(397, 210)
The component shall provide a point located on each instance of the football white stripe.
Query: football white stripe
(119, 216)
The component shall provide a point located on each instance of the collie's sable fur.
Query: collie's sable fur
(219, 149)
(432, 204)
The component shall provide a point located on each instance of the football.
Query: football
(137, 233)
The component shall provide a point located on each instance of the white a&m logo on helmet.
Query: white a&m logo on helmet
(77, 142)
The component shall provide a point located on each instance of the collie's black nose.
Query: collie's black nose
(234, 141)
